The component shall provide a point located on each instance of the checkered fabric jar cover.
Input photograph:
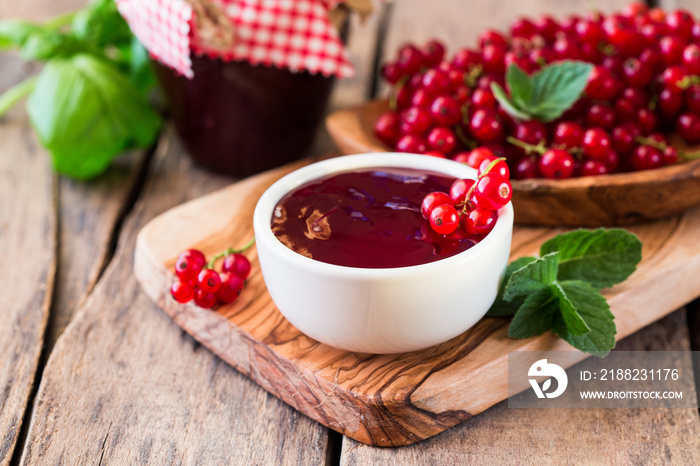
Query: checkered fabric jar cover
(293, 34)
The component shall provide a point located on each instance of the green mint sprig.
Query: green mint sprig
(90, 102)
(559, 291)
(545, 95)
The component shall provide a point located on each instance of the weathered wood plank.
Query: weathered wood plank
(125, 385)
(27, 245)
(576, 436)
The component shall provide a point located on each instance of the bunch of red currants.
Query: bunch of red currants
(645, 84)
(471, 207)
(197, 279)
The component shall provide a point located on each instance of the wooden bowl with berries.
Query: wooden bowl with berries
(597, 117)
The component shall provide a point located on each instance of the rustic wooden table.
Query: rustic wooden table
(93, 372)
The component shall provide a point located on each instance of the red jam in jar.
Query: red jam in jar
(367, 218)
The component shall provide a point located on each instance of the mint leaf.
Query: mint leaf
(535, 315)
(545, 95)
(534, 276)
(573, 320)
(502, 307)
(511, 107)
(601, 257)
(86, 112)
(556, 87)
(520, 85)
(594, 310)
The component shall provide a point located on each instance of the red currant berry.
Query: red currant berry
(625, 109)
(646, 157)
(525, 168)
(601, 115)
(432, 200)
(391, 72)
(459, 190)
(647, 120)
(522, 27)
(415, 121)
(593, 168)
(492, 191)
(444, 219)
(568, 135)
(590, 32)
(692, 98)
(634, 9)
(208, 280)
(485, 126)
(445, 111)
(480, 221)
(231, 286)
(422, 99)
(556, 164)
(670, 103)
(500, 168)
(670, 155)
(623, 137)
(387, 128)
(436, 82)
(442, 139)
(182, 291)
(189, 264)
(493, 57)
(531, 132)
(483, 98)
(612, 161)
(596, 143)
(547, 27)
(671, 50)
(688, 126)
(691, 58)
(672, 78)
(601, 84)
(491, 37)
(237, 264)
(461, 157)
(435, 153)
(466, 59)
(636, 72)
(411, 144)
(680, 22)
(204, 299)
(410, 59)
(433, 52)
(477, 155)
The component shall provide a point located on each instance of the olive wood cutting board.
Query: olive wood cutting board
(385, 400)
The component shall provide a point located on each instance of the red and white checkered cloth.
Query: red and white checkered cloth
(294, 34)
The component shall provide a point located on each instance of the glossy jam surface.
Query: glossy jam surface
(366, 218)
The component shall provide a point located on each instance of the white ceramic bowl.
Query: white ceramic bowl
(381, 310)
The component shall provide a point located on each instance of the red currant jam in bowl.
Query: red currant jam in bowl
(349, 257)
(366, 218)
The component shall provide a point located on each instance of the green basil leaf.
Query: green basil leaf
(535, 316)
(534, 276)
(86, 112)
(602, 257)
(508, 105)
(556, 87)
(594, 310)
(14, 33)
(100, 25)
(573, 320)
(47, 44)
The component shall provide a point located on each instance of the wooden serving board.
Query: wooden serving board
(385, 400)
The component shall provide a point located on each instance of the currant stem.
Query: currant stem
(463, 137)
(212, 261)
(650, 142)
(528, 148)
(485, 172)
(393, 95)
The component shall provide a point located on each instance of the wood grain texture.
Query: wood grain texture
(562, 436)
(124, 385)
(384, 399)
(618, 199)
(27, 246)
(89, 216)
